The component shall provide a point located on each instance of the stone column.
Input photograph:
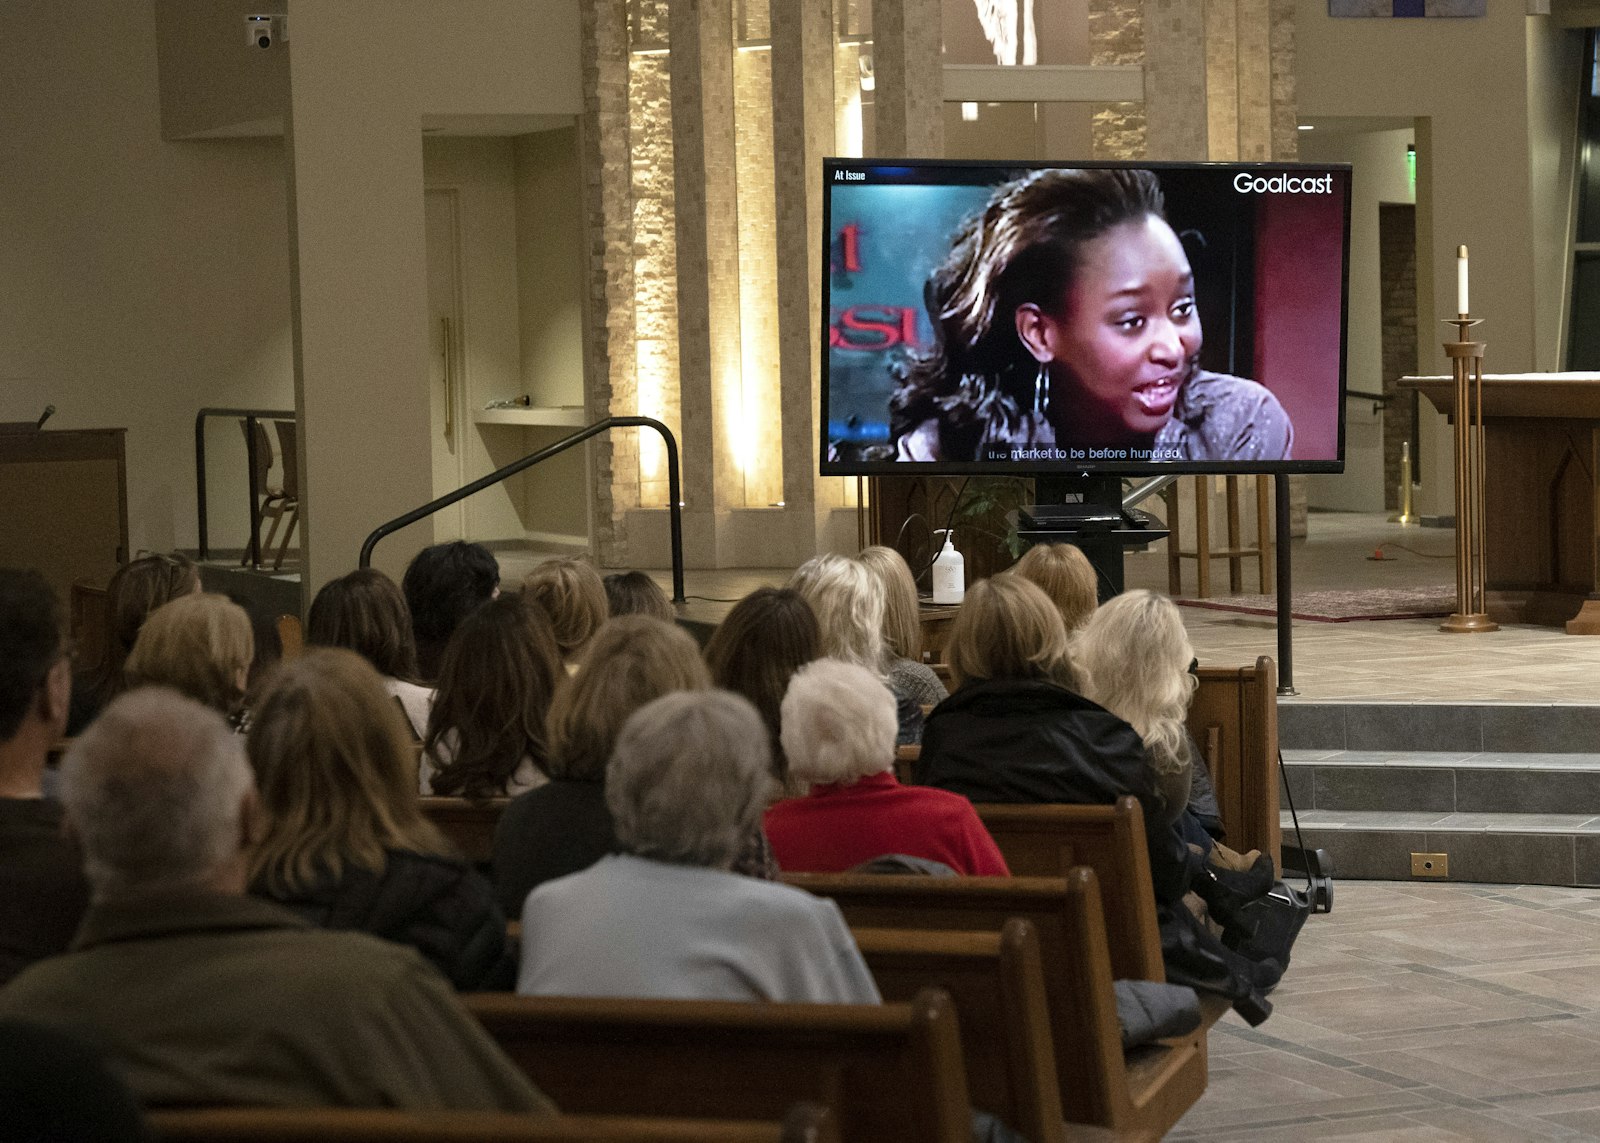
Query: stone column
(608, 330)
(1175, 79)
(706, 197)
(1116, 36)
(908, 90)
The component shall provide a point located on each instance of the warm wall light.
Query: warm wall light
(969, 112)
(868, 77)
(1308, 127)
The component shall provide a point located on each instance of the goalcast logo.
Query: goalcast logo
(1283, 184)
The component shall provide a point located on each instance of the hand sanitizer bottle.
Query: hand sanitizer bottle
(949, 572)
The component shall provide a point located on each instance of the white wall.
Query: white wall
(1378, 175)
(140, 279)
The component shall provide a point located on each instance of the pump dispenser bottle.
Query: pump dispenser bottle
(949, 572)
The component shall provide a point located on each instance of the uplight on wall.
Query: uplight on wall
(969, 112)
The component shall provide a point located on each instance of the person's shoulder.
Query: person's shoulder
(920, 442)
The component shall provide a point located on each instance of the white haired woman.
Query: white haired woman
(849, 601)
(838, 735)
(665, 918)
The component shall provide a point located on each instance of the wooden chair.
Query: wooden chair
(1234, 719)
(1235, 552)
(272, 495)
(997, 983)
(1048, 840)
(468, 825)
(1137, 1094)
(289, 502)
(805, 1124)
(889, 1072)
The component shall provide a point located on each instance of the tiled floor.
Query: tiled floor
(1421, 1012)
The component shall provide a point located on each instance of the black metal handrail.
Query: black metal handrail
(250, 416)
(674, 507)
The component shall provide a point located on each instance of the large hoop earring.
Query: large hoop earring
(1041, 390)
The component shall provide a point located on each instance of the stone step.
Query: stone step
(1444, 782)
(1551, 728)
(1504, 848)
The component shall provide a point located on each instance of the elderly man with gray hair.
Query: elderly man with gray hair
(200, 994)
(838, 734)
(686, 783)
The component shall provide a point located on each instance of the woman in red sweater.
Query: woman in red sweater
(839, 738)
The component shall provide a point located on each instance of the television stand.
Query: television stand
(1085, 510)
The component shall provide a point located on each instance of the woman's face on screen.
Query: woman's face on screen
(1126, 335)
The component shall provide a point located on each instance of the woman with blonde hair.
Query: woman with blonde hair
(564, 826)
(902, 626)
(1066, 576)
(201, 645)
(574, 597)
(848, 601)
(344, 843)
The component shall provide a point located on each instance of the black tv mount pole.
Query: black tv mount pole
(1280, 497)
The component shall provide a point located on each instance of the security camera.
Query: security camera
(264, 31)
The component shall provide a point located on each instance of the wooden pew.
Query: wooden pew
(806, 1123)
(1048, 840)
(468, 825)
(1234, 719)
(889, 1072)
(1141, 1093)
(997, 983)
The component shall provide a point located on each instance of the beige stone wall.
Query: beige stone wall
(655, 264)
(1116, 36)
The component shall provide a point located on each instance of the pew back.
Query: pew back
(888, 1072)
(1234, 719)
(468, 825)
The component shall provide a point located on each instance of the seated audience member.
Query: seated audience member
(56, 1089)
(201, 645)
(634, 593)
(848, 602)
(574, 597)
(1065, 574)
(768, 636)
(1014, 731)
(364, 612)
(902, 627)
(665, 917)
(201, 994)
(838, 734)
(136, 589)
(564, 826)
(343, 842)
(42, 890)
(442, 585)
(486, 734)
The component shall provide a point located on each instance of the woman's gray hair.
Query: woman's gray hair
(154, 790)
(689, 777)
(839, 723)
(848, 602)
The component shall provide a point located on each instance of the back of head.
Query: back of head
(848, 602)
(756, 649)
(30, 644)
(839, 723)
(1065, 574)
(573, 596)
(442, 585)
(496, 680)
(336, 771)
(1134, 655)
(688, 778)
(1008, 629)
(365, 612)
(154, 790)
(902, 621)
(634, 593)
(199, 644)
(136, 589)
(632, 660)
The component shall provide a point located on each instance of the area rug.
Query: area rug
(1344, 606)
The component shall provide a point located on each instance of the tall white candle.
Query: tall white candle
(1461, 280)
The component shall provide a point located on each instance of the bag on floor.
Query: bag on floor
(1195, 958)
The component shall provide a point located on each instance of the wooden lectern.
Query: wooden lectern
(64, 504)
(1541, 494)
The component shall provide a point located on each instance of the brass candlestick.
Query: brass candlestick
(1466, 359)
(1407, 515)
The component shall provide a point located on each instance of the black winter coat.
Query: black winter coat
(1029, 741)
(440, 906)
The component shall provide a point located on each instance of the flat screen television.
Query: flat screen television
(1013, 318)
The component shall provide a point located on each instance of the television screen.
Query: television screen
(987, 318)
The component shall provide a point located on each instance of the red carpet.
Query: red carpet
(1343, 606)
